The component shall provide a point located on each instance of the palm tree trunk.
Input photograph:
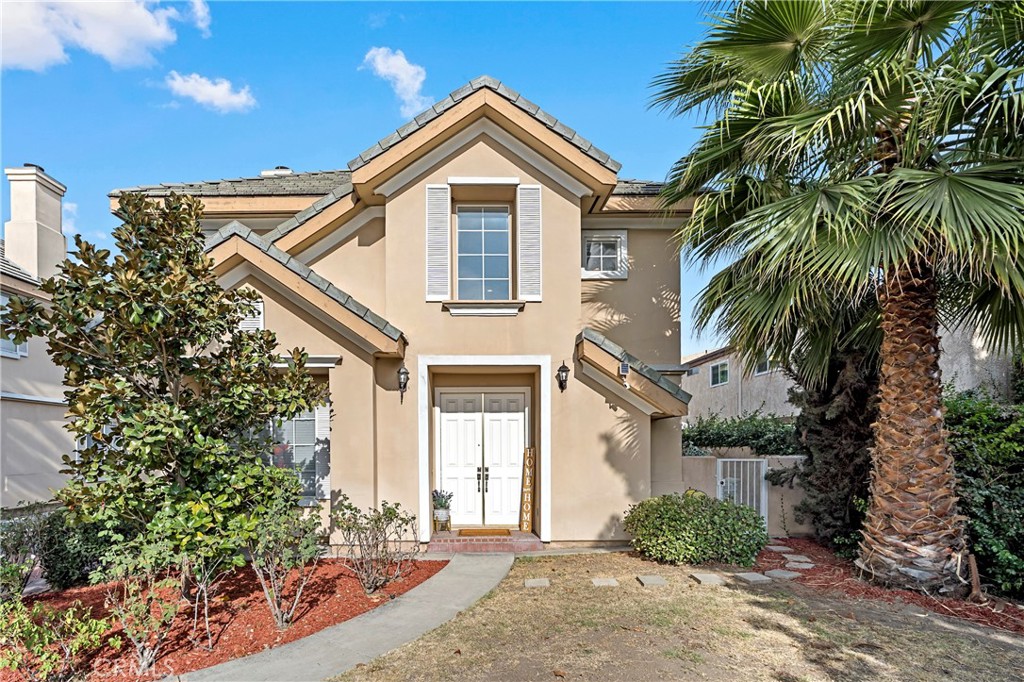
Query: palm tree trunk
(913, 536)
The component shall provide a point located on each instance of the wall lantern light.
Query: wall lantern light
(562, 375)
(403, 383)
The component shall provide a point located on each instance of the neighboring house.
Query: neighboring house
(32, 407)
(438, 284)
(721, 384)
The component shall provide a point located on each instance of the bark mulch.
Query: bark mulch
(240, 619)
(832, 573)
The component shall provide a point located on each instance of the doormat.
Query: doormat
(483, 532)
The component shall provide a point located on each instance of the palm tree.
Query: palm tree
(863, 169)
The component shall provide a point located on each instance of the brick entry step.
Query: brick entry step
(448, 542)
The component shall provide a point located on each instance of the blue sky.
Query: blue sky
(131, 93)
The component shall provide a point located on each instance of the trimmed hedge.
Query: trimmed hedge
(765, 435)
(696, 529)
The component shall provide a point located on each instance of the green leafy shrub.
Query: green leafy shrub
(381, 543)
(987, 440)
(764, 434)
(70, 552)
(45, 644)
(695, 529)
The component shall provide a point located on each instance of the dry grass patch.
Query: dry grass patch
(574, 630)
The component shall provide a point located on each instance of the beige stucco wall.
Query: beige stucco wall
(32, 442)
(359, 261)
(640, 313)
(32, 437)
(966, 363)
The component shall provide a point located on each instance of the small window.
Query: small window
(483, 248)
(604, 254)
(720, 374)
(302, 444)
(8, 348)
(764, 366)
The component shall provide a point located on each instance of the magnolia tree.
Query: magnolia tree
(169, 400)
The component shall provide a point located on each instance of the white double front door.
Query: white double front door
(480, 444)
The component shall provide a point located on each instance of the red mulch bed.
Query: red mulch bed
(239, 617)
(831, 573)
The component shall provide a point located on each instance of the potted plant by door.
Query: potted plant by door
(442, 507)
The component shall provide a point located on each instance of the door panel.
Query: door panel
(484, 432)
(461, 455)
(504, 442)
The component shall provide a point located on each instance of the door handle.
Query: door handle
(487, 477)
(479, 475)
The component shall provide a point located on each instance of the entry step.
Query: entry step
(516, 541)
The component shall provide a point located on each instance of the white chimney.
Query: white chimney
(32, 237)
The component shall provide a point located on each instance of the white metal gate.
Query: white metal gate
(743, 481)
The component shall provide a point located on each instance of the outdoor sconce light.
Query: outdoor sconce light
(403, 383)
(562, 376)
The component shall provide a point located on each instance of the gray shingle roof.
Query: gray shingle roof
(303, 271)
(12, 269)
(638, 187)
(294, 184)
(637, 365)
(456, 96)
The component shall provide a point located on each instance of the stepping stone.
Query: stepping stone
(800, 558)
(605, 582)
(651, 580)
(800, 565)
(753, 578)
(537, 582)
(779, 574)
(708, 578)
(778, 548)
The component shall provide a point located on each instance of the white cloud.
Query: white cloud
(201, 17)
(406, 79)
(37, 35)
(217, 94)
(69, 212)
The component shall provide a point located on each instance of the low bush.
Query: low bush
(289, 539)
(70, 552)
(763, 434)
(381, 543)
(695, 529)
(44, 644)
(987, 441)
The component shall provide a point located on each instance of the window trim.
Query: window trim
(711, 374)
(20, 350)
(622, 238)
(512, 281)
(769, 368)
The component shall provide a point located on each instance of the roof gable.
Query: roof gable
(460, 94)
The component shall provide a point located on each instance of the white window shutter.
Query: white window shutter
(254, 322)
(322, 451)
(528, 229)
(439, 216)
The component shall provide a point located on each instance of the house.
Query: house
(477, 287)
(722, 384)
(32, 406)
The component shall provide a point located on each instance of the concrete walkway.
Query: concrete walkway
(332, 651)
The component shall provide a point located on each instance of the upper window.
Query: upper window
(604, 254)
(8, 348)
(764, 366)
(720, 373)
(484, 263)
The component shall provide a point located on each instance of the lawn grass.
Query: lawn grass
(683, 631)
